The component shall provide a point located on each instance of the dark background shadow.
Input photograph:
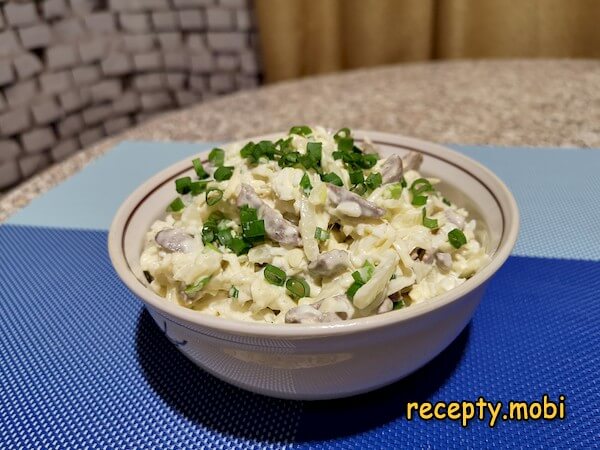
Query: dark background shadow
(214, 404)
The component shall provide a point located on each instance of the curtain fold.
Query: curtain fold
(305, 37)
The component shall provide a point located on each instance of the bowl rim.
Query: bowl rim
(505, 200)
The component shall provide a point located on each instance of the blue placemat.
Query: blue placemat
(82, 364)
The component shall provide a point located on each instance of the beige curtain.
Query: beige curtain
(304, 37)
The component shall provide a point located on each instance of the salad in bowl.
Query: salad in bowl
(315, 227)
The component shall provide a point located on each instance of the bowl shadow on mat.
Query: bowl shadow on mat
(211, 403)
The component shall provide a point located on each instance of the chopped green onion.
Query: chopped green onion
(403, 182)
(176, 205)
(199, 168)
(223, 173)
(369, 270)
(305, 184)
(345, 144)
(288, 159)
(208, 234)
(217, 157)
(321, 234)
(248, 151)
(457, 238)
(198, 187)
(274, 275)
(215, 217)
(341, 133)
(234, 292)
(314, 150)
(248, 214)
(332, 178)
(266, 148)
(374, 181)
(357, 277)
(419, 200)
(429, 223)
(182, 185)
(148, 276)
(238, 246)
(337, 155)
(352, 289)
(357, 177)
(302, 130)
(367, 161)
(213, 196)
(420, 186)
(446, 201)
(193, 289)
(254, 229)
(298, 287)
(224, 236)
(396, 191)
(399, 305)
(364, 274)
(359, 189)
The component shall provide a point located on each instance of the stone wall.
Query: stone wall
(74, 71)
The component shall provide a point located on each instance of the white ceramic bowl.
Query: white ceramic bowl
(324, 361)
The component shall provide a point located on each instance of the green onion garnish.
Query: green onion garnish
(176, 205)
(298, 287)
(314, 150)
(420, 186)
(403, 182)
(369, 270)
(396, 191)
(357, 177)
(234, 292)
(457, 238)
(182, 185)
(305, 184)
(374, 181)
(399, 305)
(223, 173)
(248, 151)
(359, 189)
(341, 133)
(345, 144)
(197, 286)
(302, 130)
(199, 168)
(429, 223)
(332, 178)
(367, 161)
(266, 149)
(213, 196)
(248, 214)
(208, 234)
(274, 275)
(357, 277)
(321, 234)
(217, 157)
(224, 236)
(198, 187)
(352, 289)
(254, 230)
(238, 246)
(419, 200)
(446, 201)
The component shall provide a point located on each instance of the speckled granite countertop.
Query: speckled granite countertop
(518, 103)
